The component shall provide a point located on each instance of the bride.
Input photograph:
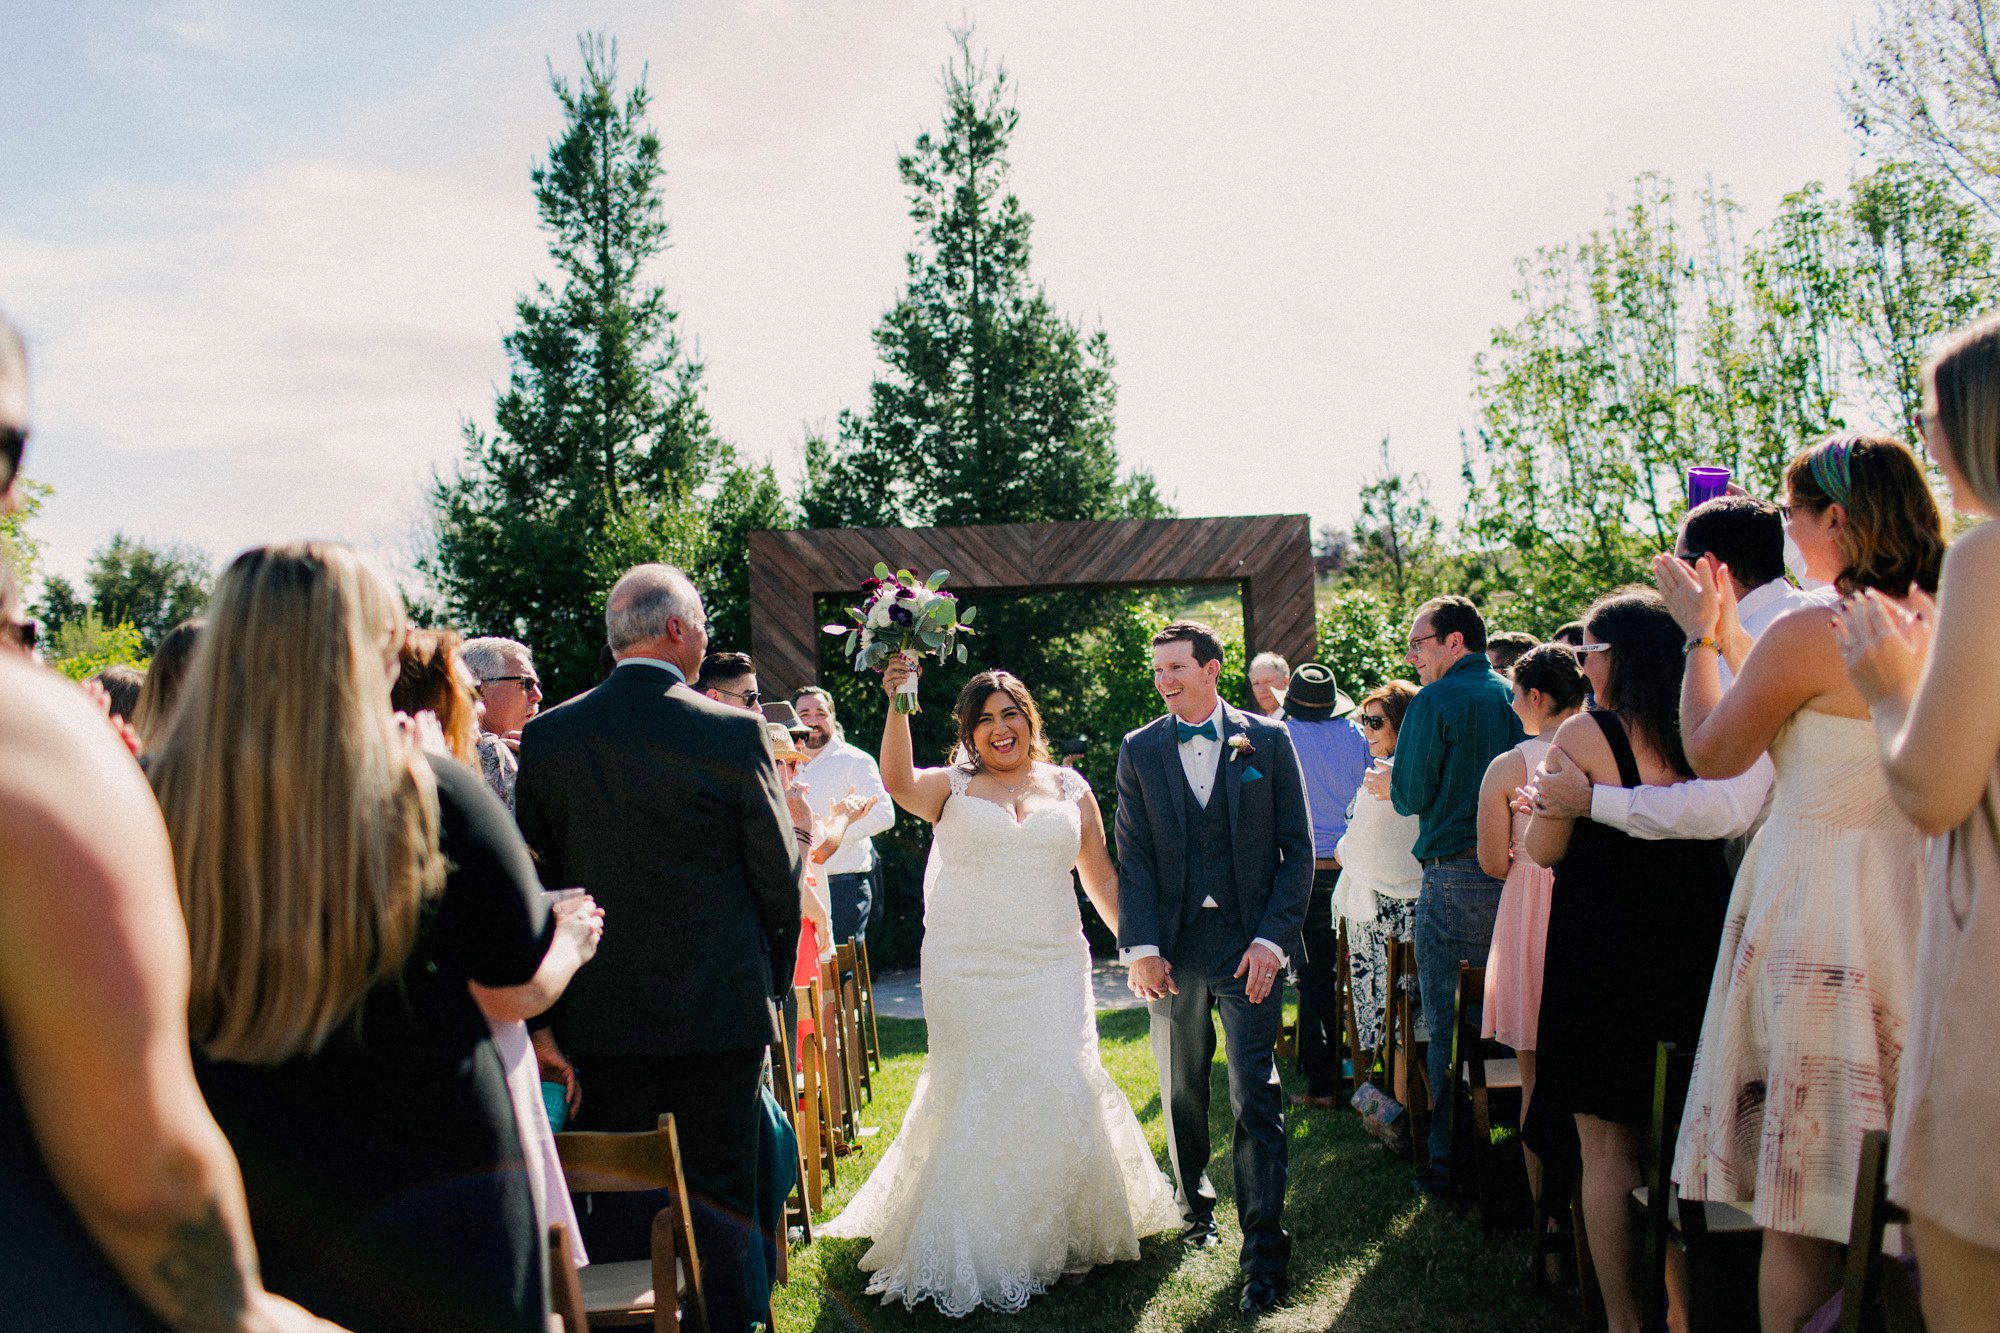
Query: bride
(1020, 1160)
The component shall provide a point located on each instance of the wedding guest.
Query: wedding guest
(510, 693)
(666, 806)
(1270, 677)
(1811, 996)
(121, 685)
(1571, 634)
(1333, 758)
(1548, 691)
(1460, 720)
(731, 680)
(1505, 648)
(1380, 876)
(344, 892)
(1926, 672)
(431, 678)
(1632, 933)
(121, 1206)
(162, 687)
(1748, 537)
(835, 770)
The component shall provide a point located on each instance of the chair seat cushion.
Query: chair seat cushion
(626, 1286)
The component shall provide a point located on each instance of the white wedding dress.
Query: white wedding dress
(1019, 1160)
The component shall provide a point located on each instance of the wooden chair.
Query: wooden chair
(816, 1112)
(1477, 1072)
(847, 967)
(871, 1032)
(1721, 1241)
(1875, 1294)
(639, 1291)
(565, 1292)
(1402, 1053)
(798, 1209)
(837, 1033)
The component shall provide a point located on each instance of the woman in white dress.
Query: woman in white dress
(1019, 1160)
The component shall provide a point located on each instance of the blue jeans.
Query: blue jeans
(1454, 925)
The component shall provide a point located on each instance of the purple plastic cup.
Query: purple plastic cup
(1706, 483)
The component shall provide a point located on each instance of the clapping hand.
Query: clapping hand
(1376, 783)
(1693, 593)
(854, 805)
(796, 800)
(1884, 646)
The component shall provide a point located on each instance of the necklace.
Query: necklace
(1015, 789)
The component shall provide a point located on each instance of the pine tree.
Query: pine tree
(603, 454)
(991, 406)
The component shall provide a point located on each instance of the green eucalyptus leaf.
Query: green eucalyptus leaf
(937, 580)
(965, 616)
(881, 570)
(961, 652)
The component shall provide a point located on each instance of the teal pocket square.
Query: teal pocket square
(1251, 775)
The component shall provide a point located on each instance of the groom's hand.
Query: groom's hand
(1152, 978)
(1262, 967)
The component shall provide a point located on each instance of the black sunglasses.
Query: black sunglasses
(1371, 721)
(13, 444)
(750, 698)
(525, 682)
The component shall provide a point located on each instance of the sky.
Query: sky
(265, 252)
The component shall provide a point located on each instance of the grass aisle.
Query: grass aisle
(1367, 1253)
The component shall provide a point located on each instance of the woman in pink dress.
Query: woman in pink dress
(1549, 688)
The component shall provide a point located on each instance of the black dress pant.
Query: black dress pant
(1183, 1031)
(713, 1096)
(1319, 993)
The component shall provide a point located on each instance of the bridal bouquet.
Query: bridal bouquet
(899, 614)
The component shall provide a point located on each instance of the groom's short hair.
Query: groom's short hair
(1205, 642)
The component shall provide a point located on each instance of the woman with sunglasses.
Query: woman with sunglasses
(1379, 874)
(1810, 1000)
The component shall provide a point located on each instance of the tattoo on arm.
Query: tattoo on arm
(200, 1272)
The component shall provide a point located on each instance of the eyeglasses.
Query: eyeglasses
(525, 682)
(1590, 648)
(13, 444)
(1419, 639)
(1372, 721)
(750, 698)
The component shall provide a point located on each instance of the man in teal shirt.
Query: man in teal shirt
(1461, 718)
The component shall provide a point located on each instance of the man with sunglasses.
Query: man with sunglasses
(731, 680)
(510, 694)
(1460, 720)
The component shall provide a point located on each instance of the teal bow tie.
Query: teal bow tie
(1187, 733)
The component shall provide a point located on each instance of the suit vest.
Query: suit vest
(1211, 852)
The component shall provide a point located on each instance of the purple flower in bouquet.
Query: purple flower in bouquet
(900, 614)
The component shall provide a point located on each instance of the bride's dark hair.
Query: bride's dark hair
(972, 700)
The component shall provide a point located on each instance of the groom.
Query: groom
(1215, 862)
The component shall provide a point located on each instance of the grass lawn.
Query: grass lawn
(1367, 1253)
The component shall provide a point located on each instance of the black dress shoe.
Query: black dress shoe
(1262, 1292)
(1200, 1235)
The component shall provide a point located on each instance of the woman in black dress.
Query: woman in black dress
(1633, 930)
(342, 890)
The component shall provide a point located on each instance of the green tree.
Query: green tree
(1398, 535)
(84, 647)
(21, 549)
(60, 605)
(150, 587)
(991, 406)
(602, 454)
(1925, 82)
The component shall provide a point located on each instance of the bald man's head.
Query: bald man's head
(654, 611)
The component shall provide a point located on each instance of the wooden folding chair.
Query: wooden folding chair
(797, 1207)
(1476, 1074)
(639, 1291)
(1721, 1241)
(871, 1032)
(848, 967)
(1875, 1294)
(565, 1292)
(1402, 1053)
(842, 1058)
(816, 1113)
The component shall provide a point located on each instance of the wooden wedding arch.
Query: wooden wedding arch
(1269, 557)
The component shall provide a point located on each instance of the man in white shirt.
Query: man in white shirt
(835, 770)
(1748, 536)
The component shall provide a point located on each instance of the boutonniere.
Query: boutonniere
(1240, 747)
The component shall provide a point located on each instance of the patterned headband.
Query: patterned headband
(1830, 470)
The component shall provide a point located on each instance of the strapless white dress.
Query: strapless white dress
(1019, 1160)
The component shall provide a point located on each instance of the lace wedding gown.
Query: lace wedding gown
(1019, 1159)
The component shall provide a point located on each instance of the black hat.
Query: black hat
(1313, 697)
(783, 714)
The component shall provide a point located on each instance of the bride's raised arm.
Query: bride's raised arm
(921, 791)
(1093, 863)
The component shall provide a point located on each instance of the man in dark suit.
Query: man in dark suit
(666, 806)
(1215, 862)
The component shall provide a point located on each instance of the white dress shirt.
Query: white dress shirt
(659, 662)
(827, 776)
(1201, 760)
(1708, 807)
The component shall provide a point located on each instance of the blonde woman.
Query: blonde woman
(1926, 673)
(346, 897)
